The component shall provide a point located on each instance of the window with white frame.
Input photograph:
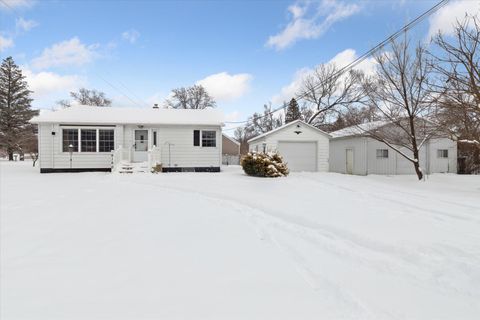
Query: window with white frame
(382, 153)
(70, 138)
(106, 140)
(442, 153)
(88, 140)
(209, 138)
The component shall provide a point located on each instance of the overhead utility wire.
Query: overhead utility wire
(357, 61)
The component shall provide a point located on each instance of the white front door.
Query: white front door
(349, 161)
(140, 146)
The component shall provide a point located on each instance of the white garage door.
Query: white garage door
(300, 156)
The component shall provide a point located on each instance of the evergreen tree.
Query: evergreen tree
(15, 107)
(293, 111)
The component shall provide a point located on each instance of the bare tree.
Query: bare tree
(458, 91)
(242, 135)
(401, 92)
(89, 97)
(28, 143)
(327, 90)
(64, 103)
(195, 97)
(351, 117)
(257, 124)
(260, 123)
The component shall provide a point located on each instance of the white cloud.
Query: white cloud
(44, 84)
(131, 35)
(232, 116)
(69, 52)
(341, 60)
(5, 43)
(157, 98)
(444, 19)
(14, 4)
(25, 25)
(225, 87)
(310, 20)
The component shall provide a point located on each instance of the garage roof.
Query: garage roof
(285, 126)
(359, 129)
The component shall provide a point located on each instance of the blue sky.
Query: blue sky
(246, 53)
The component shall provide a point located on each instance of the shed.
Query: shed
(303, 147)
(352, 151)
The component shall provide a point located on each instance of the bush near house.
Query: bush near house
(264, 165)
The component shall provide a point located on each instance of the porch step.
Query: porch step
(133, 167)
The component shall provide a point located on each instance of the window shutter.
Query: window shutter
(196, 138)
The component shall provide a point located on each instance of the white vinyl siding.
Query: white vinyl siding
(182, 151)
(366, 160)
(53, 156)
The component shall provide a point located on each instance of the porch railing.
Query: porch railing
(117, 157)
(154, 156)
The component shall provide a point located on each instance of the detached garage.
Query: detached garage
(302, 146)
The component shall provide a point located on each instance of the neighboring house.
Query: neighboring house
(353, 152)
(230, 150)
(302, 146)
(85, 138)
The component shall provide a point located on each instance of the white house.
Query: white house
(302, 146)
(85, 138)
(353, 152)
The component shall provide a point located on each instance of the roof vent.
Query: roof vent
(155, 106)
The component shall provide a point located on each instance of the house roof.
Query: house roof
(358, 130)
(145, 116)
(231, 139)
(285, 126)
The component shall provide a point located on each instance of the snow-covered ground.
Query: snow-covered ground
(228, 246)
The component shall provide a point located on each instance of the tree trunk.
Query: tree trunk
(416, 165)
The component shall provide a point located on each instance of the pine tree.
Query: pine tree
(15, 107)
(293, 111)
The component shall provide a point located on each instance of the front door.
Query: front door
(140, 146)
(349, 161)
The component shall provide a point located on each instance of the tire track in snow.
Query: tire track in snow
(382, 257)
(407, 204)
(265, 232)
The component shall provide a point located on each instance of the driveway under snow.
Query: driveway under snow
(228, 246)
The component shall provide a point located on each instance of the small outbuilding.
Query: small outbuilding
(352, 151)
(302, 146)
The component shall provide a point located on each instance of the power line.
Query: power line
(130, 91)
(117, 89)
(357, 61)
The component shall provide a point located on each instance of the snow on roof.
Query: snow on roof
(287, 125)
(112, 115)
(357, 130)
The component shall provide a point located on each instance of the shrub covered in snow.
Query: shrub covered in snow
(264, 164)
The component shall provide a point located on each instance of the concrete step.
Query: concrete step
(133, 167)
